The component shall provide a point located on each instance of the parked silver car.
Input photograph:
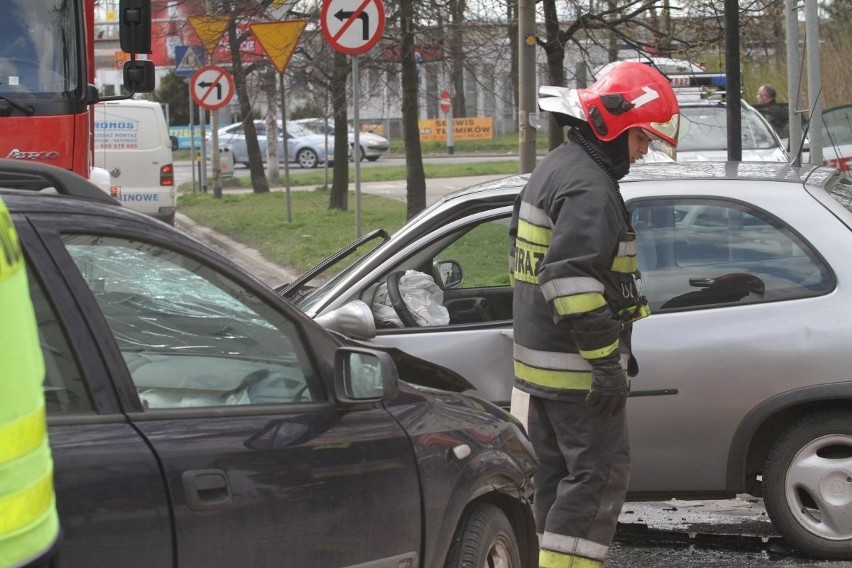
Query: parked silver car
(704, 135)
(372, 145)
(304, 147)
(743, 383)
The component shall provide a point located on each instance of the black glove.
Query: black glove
(610, 388)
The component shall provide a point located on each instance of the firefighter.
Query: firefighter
(574, 271)
(29, 526)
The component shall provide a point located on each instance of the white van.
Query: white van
(132, 143)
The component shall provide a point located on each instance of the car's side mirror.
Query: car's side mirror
(364, 375)
(354, 319)
(448, 273)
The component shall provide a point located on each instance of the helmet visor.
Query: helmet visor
(666, 131)
(661, 151)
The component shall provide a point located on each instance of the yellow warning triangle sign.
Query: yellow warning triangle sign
(279, 40)
(209, 29)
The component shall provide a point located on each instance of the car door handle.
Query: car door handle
(206, 489)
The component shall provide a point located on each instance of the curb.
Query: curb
(247, 258)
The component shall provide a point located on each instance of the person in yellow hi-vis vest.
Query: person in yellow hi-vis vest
(29, 525)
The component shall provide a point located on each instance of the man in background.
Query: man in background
(773, 111)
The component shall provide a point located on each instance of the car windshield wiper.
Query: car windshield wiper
(6, 111)
(289, 290)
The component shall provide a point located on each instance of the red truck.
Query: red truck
(47, 69)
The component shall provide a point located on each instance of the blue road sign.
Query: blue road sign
(188, 59)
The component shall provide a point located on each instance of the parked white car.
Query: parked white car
(703, 135)
(372, 145)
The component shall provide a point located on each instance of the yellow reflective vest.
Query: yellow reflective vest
(29, 524)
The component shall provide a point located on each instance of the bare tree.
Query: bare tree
(415, 176)
(240, 73)
(339, 195)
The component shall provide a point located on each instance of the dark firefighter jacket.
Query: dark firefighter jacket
(573, 265)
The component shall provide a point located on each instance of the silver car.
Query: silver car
(743, 385)
(372, 145)
(304, 147)
(703, 135)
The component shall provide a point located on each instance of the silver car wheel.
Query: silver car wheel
(307, 158)
(819, 488)
(807, 484)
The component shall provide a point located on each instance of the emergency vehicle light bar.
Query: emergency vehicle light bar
(717, 81)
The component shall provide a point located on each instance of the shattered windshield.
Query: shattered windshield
(39, 47)
(189, 335)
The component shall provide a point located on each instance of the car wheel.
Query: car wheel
(307, 158)
(352, 153)
(372, 158)
(484, 538)
(807, 485)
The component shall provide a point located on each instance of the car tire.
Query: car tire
(372, 158)
(307, 158)
(807, 487)
(484, 538)
(352, 153)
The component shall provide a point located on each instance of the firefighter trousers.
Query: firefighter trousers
(581, 481)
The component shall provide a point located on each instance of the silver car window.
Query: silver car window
(189, 335)
(702, 253)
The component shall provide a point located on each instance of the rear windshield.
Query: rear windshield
(706, 128)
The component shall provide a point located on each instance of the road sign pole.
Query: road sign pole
(191, 137)
(286, 148)
(450, 133)
(356, 151)
(202, 122)
(215, 159)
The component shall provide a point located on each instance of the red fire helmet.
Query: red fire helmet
(627, 95)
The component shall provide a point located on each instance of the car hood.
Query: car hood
(369, 137)
(415, 370)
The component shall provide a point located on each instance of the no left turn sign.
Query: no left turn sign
(212, 87)
(352, 26)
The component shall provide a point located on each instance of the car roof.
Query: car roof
(671, 172)
(35, 177)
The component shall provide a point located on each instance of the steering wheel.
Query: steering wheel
(397, 302)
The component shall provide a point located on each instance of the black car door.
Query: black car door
(112, 500)
(231, 389)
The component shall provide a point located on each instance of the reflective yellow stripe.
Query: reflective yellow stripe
(22, 436)
(24, 507)
(573, 380)
(579, 303)
(602, 352)
(550, 559)
(11, 259)
(625, 264)
(534, 234)
(527, 258)
(634, 313)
